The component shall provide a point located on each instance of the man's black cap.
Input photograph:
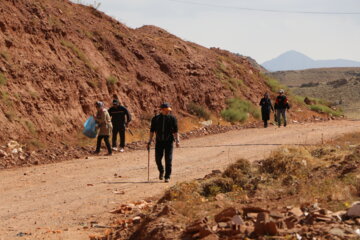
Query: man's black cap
(165, 105)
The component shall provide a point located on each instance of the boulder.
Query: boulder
(226, 215)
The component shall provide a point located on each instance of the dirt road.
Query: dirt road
(56, 201)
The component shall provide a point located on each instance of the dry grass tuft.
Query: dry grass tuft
(182, 192)
(239, 172)
(214, 186)
(287, 161)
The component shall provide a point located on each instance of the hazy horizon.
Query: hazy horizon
(261, 29)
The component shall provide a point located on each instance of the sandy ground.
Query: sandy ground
(56, 201)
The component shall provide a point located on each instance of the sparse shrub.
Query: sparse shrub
(198, 110)
(36, 144)
(4, 97)
(30, 126)
(91, 83)
(5, 55)
(239, 172)
(232, 83)
(34, 94)
(310, 84)
(325, 109)
(298, 99)
(3, 79)
(274, 84)
(182, 191)
(214, 186)
(238, 110)
(286, 161)
(112, 80)
(79, 54)
(10, 115)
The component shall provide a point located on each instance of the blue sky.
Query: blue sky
(261, 35)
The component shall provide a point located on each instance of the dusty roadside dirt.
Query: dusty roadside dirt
(56, 201)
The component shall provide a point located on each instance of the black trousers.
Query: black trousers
(162, 147)
(98, 144)
(121, 132)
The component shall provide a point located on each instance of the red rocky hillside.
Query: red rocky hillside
(57, 58)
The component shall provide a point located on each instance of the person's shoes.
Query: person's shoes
(114, 149)
(161, 176)
(95, 152)
(167, 180)
(284, 124)
(121, 150)
(109, 154)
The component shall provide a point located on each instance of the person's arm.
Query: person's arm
(271, 106)
(110, 111)
(100, 117)
(177, 139)
(128, 116)
(261, 102)
(176, 133)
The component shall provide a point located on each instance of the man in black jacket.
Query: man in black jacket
(166, 128)
(266, 107)
(118, 114)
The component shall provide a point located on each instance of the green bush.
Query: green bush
(198, 110)
(233, 83)
(214, 186)
(274, 84)
(112, 80)
(238, 110)
(30, 126)
(298, 99)
(3, 79)
(325, 109)
(239, 172)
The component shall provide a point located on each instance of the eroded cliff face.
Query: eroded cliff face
(57, 58)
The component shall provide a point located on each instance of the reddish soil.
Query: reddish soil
(58, 201)
(57, 58)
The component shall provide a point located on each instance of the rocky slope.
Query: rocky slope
(338, 86)
(57, 58)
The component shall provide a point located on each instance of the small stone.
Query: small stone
(223, 225)
(296, 211)
(337, 232)
(252, 215)
(3, 153)
(220, 197)
(237, 220)
(276, 214)
(354, 211)
(136, 220)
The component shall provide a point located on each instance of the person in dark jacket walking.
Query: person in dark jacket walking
(266, 108)
(281, 105)
(165, 127)
(120, 118)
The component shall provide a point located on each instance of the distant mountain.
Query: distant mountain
(293, 60)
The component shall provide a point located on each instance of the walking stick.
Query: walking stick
(149, 164)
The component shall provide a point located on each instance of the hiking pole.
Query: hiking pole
(148, 163)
